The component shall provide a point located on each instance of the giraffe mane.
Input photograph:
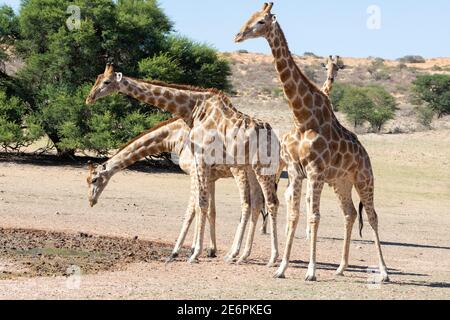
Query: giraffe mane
(179, 86)
(311, 84)
(154, 128)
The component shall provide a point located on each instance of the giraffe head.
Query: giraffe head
(106, 84)
(333, 65)
(259, 24)
(97, 180)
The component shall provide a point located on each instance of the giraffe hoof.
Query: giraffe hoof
(385, 279)
(193, 260)
(229, 259)
(271, 264)
(309, 278)
(211, 253)
(279, 275)
(172, 258)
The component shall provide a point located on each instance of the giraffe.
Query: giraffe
(332, 65)
(171, 136)
(319, 149)
(241, 142)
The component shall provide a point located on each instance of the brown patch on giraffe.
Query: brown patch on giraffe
(302, 89)
(181, 99)
(326, 131)
(290, 89)
(168, 95)
(308, 100)
(337, 160)
(285, 75)
(281, 64)
(320, 145)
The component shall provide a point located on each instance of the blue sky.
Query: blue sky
(321, 26)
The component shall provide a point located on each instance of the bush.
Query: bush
(384, 107)
(434, 92)
(18, 128)
(379, 71)
(356, 105)
(373, 104)
(311, 54)
(336, 94)
(412, 59)
(310, 72)
(425, 116)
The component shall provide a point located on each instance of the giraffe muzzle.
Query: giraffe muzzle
(239, 37)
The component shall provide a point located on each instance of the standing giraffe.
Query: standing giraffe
(220, 134)
(172, 136)
(319, 149)
(332, 65)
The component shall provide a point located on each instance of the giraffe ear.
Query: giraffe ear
(274, 18)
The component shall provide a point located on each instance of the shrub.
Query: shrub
(311, 54)
(425, 116)
(412, 59)
(310, 72)
(379, 71)
(434, 92)
(356, 105)
(18, 128)
(360, 104)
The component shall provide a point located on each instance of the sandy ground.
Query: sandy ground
(413, 201)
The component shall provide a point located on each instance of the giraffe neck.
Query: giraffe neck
(328, 85)
(303, 96)
(169, 137)
(179, 102)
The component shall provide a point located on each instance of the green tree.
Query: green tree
(337, 92)
(384, 107)
(62, 64)
(434, 92)
(17, 127)
(356, 104)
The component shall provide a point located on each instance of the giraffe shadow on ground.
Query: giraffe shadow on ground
(394, 244)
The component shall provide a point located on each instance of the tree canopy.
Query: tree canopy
(64, 52)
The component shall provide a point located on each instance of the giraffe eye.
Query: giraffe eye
(107, 82)
(261, 22)
(94, 181)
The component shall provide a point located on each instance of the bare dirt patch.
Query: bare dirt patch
(36, 253)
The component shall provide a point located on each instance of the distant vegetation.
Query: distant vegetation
(433, 92)
(372, 104)
(412, 59)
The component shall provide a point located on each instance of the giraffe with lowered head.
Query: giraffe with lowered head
(171, 136)
(219, 134)
(319, 149)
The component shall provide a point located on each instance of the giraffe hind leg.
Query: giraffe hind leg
(365, 192)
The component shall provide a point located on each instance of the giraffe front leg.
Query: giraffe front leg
(269, 187)
(189, 216)
(257, 204)
(212, 250)
(293, 197)
(344, 192)
(315, 190)
(244, 191)
(203, 195)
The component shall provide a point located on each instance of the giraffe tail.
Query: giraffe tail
(361, 221)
